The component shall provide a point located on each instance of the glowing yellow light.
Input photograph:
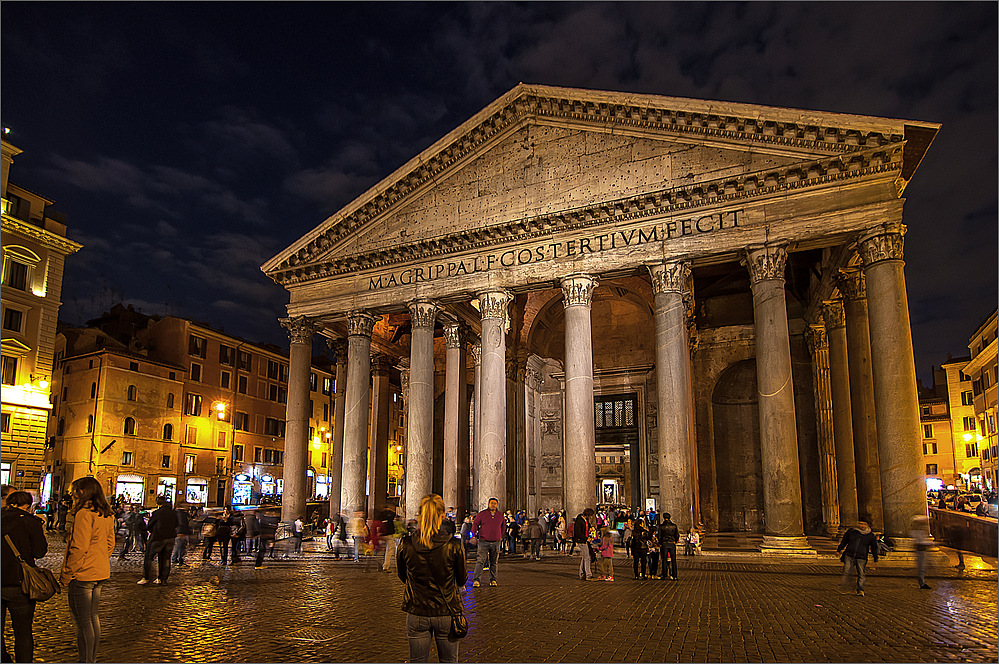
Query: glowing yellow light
(315, 443)
(398, 448)
(220, 409)
(967, 437)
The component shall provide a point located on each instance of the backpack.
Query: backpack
(579, 529)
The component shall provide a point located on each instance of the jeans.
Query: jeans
(849, 563)
(585, 570)
(223, 549)
(358, 541)
(536, 548)
(486, 553)
(236, 545)
(921, 566)
(638, 559)
(158, 550)
(84, 601)
(179, 549)
(421, 630)
(22, 615)
(391, 549)
(668, 559)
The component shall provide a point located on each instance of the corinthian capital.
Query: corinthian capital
(669, 277)
(339, 349)
(423, 313)
(833, 314)
(475, 350)
(882, 243)
(816, 337)
(492, 304)
(851, 283)
(300, 329)
(454, 335)
(577, 289)
(766, 263)
(360, 324)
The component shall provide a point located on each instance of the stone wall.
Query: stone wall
(965, 531)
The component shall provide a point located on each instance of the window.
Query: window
(615, 412)
(241, 385)
(313, 382)
(326, 412)
(283, 373)
(926, 410)
(198, 347)
(133, 366)
(272, 369)
(963, 377)
(326, 384)
(970, 424)
(224, 382)
(129, 426)
(192, 435)
(165, 460)
(93, 390)
(126, 458)
(173, 375)
(274, 427)
(167, 431)
(195, 372)
(9, 370)
(237, 452)
(273, 456)
(971, 450)
(927, 431)
(90, 423)
(12, 319)
(16, 274)
(245, 361)
(322, 464)
(220, 466)
(227, 355)
(929, 448)
(170, 400)
(60, 427)
(279, 394)
(258, 454)
(189, 463)
(193, 405)
(931, 469)
(5, 422)
(241, 421)
(132, 392)
(220, 438)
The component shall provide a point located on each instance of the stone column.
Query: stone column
(669, 283)
(580, 433)
(456, 420)
(355, 417)
(896, 401)
(476, 351)
(378, 466)
(420, 436)
(296, 435)
(778, 436)
(865, 431)
(404, 387)
(339, 348)
(818, 346)
(839, 383)
(492, 408)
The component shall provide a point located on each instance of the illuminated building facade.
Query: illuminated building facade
(167, 406)
(35, 247)
(983, 372)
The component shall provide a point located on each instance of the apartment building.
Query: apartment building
(984, 376)
(34, 248)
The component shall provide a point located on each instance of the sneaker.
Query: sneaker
(493, 583)
(157, 582)
(924, 586)
(860, 592)
(475, 584)
(142, 581)
(609, 578)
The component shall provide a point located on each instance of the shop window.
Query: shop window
(129, 426)
(167, 431)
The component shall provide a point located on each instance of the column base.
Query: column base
(786, 546)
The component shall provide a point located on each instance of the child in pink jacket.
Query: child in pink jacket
(606, 555)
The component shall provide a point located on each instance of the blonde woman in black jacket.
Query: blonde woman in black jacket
(431, 563)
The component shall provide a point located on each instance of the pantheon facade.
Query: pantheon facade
(599, 297)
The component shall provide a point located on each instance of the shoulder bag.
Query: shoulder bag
(459, 623)
(39, 584)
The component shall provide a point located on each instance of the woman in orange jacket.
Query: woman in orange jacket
(88, 561)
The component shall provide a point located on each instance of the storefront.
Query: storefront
(242, 489)
(130, 488)
(167, 487)
(267, 486)
(322, 487)
(197, 490)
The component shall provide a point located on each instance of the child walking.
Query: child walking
(606, 555)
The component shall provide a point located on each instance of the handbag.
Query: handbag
(459, 623)
(39, 584)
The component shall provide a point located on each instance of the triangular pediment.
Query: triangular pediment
(540, 150)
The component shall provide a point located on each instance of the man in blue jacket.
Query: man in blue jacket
(855, 546)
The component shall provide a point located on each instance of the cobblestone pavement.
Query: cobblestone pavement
(315, 609)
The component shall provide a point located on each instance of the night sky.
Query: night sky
(188, 143)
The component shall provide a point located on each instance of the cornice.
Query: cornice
(48, 238)
(664, 202)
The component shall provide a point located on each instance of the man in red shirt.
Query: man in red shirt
(488, 528)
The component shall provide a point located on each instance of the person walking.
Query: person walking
(393, 529)
(488, 528)
(669, 536)
(183, 531)
(87, 564)
(920, 534)
(298, 534)
(358, 531)
(855, 546)
(266, 528)
(431, 562)
(533, 539)
(162, 534)
(237, 527)
(25, 531)
(582, 525)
